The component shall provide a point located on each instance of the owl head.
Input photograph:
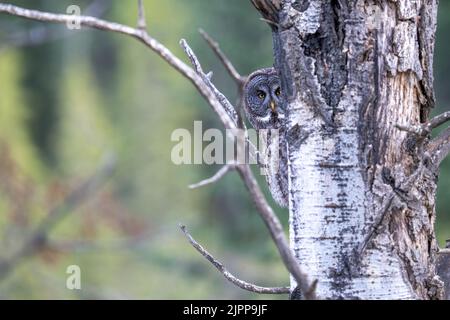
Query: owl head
(263, 99)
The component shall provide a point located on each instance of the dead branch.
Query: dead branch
(141, 35)
(77, 197)
(219, 266)
(405, 186)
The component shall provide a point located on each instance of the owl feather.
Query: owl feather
(265, 109)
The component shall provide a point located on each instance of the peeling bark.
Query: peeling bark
(351, 70)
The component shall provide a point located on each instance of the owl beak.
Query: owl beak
(272, 106)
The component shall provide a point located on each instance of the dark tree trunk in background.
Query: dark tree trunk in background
(362, 192)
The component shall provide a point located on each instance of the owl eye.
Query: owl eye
(261, 94)
(278, 91)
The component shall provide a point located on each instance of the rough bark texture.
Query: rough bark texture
(362, 192)
(443, 269)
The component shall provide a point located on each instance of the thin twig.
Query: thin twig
(219, 266)
(223, 58)
(77, 197)
(142, 24)
(416, 130)
(439, 147)
(216, 177)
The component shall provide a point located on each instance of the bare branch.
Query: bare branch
(377, 223)
(263, 207)
(219, 266)
(205, 87)
(226, 105)
(416, 130)
(277, 232)
(439, 147)
(219, 175)
(140, 35)
(142, 24)
(240, 80)
(45, 34)
(425, 129)
(77, 197)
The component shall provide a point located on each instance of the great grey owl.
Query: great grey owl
(265, 109)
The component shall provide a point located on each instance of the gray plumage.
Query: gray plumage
(265, 109)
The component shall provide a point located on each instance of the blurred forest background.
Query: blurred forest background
(68, 98)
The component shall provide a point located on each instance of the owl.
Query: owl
(264, 108)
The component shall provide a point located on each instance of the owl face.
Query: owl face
(263, 99)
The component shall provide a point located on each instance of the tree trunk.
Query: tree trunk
(362, 192)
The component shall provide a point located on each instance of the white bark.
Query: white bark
(351, 71)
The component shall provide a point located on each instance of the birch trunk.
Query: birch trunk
(362, 192)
